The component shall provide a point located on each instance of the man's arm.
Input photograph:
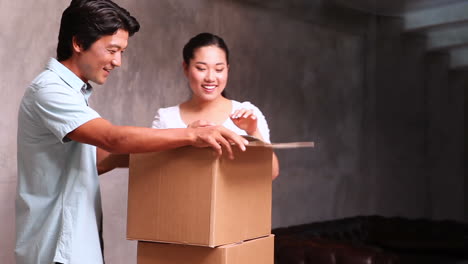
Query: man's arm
(127, 139)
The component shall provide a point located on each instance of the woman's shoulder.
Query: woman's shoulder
(168, 110)
(165, 117)
(245, 104)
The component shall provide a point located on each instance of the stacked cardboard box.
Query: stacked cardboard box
(189, 206)
(256, 251)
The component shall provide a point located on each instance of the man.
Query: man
(61, 139)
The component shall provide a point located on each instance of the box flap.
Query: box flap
(255, 142)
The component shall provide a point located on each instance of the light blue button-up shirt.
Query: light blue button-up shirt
(58, 203)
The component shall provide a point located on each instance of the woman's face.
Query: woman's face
(207, 72)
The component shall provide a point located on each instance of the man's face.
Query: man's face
(96, 63)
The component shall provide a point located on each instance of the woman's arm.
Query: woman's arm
(107, 161)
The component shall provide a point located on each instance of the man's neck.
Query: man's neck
(73, 67)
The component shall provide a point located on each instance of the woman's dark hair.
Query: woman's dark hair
(88, 21)
(203, 40)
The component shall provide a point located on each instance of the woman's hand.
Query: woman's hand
(201, 123)
(245, 120)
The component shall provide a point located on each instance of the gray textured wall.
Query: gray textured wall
(445, 138)
(28, 33)
(400, 111)
(420, 127)
(362, 97)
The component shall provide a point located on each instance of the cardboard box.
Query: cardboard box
(257, 251)
(190, 196)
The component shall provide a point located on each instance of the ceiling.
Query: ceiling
(443, 22)
(393, 7)
(380, 7)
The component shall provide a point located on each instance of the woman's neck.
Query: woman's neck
(216, 111)
(197, 105)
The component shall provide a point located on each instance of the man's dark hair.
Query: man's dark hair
(88, 21)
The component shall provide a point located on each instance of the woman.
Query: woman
(206, 66)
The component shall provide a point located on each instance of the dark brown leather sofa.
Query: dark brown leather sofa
(373, 240)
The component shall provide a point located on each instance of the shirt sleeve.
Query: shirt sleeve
(62, 109)
(262, 124)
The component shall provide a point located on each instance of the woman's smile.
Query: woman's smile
(209, 87)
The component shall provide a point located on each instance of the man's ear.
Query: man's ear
(76, 45)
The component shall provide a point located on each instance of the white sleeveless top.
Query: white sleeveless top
(169, 117)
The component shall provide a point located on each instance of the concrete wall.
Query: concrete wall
(420, 132)
(360, 96)
(28, 33)
(445, 138)
(400, 121)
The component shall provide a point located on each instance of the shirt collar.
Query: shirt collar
(68, 76)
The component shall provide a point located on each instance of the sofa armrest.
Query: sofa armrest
(293, 250)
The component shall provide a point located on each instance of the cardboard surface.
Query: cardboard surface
(190, 196)
(257, 251)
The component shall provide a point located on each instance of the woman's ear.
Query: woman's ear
(185, 68)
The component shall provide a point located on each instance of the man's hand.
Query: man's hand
(217, 137)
